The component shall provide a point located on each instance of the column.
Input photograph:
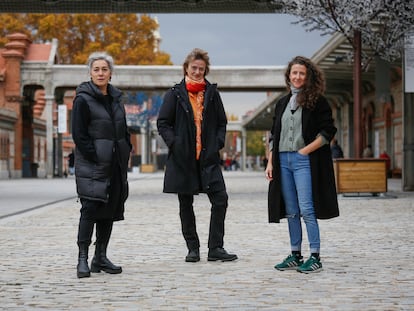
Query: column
(49, 134)
(243, 162)
(408, 143)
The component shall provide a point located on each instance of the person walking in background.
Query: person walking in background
(192, 122)
(336, 150)
(102, 151)
(300, 168)
(367, 152)
(384, 155)
(71, 163)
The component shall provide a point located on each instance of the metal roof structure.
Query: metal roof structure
(334, 59)
(140, 6)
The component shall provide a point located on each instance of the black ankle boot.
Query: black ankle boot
(83, 269)
(193, 255)
(101, 263)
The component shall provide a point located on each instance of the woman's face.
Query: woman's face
(196, 70)
(100, 73)
(297, 75)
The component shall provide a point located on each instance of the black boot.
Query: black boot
(101, 262)
(193, 255)
(84, 240)
(220, 253)
(83, 268)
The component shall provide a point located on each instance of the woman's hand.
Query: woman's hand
(269, 171)
(302, 152)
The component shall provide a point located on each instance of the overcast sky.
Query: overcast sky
(237, 40)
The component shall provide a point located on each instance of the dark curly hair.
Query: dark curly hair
(314, 84)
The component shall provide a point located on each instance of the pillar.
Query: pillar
(244, 147)
(13, 102)
(357, 96)
(408, 143)
(49, 135)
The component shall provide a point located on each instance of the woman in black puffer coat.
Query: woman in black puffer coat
(102, 152)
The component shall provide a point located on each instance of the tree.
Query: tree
(255, 143)
(130, 38)
(380, 25)
(10, 23)
(232, 117)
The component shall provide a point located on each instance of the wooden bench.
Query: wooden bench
(360, 175)
(148, 168)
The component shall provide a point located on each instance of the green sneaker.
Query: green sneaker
(292, 262)
(311, 265)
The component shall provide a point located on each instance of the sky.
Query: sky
(237, 40)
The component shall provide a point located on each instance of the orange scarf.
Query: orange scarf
(195, 91)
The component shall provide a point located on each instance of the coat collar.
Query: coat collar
(182, 92)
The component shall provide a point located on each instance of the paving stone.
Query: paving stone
(366, 254)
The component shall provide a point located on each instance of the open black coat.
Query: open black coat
(318, 120)
(177, 128)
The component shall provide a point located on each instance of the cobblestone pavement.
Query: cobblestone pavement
(366, 253)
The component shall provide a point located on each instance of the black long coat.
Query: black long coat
(177, 128)
(318, 120)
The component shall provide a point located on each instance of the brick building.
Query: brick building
(22, 121)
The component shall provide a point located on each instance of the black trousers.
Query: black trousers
(87, 222)
(219, 202)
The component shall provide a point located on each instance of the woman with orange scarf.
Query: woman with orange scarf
(192, 122)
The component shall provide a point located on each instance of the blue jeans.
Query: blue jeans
(296, 182)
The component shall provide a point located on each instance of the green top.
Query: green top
(291, 131)
(291, 139)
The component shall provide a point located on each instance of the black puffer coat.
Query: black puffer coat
(176, 126)
(318, 120)
(100, 133)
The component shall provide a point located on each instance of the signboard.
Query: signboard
(62, 119)
(409, 62)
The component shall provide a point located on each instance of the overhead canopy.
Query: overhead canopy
(139, 6)
(335, 59)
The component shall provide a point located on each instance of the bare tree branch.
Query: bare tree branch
(382, 23)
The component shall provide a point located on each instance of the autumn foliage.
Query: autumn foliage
(130, 38)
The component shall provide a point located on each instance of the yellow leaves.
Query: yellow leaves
(255, 143)
(130, 38)
(232, 117)
(11, 23)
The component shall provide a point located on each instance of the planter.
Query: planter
(360, 175)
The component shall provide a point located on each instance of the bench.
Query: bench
(148, 168)
(360, 175)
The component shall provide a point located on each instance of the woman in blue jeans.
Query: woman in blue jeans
(300, 168)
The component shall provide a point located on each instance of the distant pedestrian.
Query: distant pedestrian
(300, 168)
(367, 152)
(192, 122)
(264, 161)
(336, 150)
(384, 155)
(71, 163)
(102, 152)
